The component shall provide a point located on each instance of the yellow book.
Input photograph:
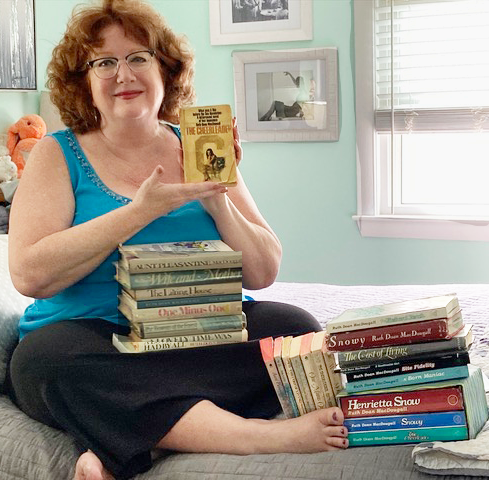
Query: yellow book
(300, 374)
(317, 348)
(208, 144)
(291, 375)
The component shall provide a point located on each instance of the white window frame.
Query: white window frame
(370, 222)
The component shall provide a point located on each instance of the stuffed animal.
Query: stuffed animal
(22, 136)
(8, 169)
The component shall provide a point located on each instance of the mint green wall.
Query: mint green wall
(307, 191)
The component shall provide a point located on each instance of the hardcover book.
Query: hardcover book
(466, 394)
(408, 365)
(188, 326)
(186, 291)
(126, 344)
(208, 144)
(180, 301)
(394, 422)
(399, 334)
(460, 342)
(405, 436)
(177, 312)
(408, 379)
(221, 336)
(266, 347)
(171, 279)
(174, 256)
(408, 311)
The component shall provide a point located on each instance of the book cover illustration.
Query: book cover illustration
(408, 311)
(208, 144)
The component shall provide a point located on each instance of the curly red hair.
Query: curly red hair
(67, 71)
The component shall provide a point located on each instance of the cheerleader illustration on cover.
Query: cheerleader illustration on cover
(208, 144)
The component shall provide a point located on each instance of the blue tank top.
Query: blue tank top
(95, 296)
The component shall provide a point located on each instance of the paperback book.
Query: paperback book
(175, 256)
(208, 144)
(395, 313)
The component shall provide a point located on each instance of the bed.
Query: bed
(32, 451)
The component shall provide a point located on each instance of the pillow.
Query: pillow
(12, 305)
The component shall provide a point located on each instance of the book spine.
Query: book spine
(404, 366)
(183, 311)
(276, 380)
(386, 320)
(141, 347)
(408, 379)
(294, 386)
(212, 260)
(395, 422)
(171, 302)
(190, 277)
(236, 336)
(313, 379)
(300, 375)
(415, 435)
(187, 291)
(188, 326)
(388, 353)
(401, 403)
(287, 387)
(393, 335)
(323, 379)
(335, 378)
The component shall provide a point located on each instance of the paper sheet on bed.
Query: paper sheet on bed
(468, 457)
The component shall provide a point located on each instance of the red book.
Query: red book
(402, 334)
(398, 403)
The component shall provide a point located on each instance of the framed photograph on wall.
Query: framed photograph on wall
(259, 21)
(17, 45)
(287, 95)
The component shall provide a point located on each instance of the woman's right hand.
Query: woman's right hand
(156, 198)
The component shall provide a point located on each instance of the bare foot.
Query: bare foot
(89, 467)
(317, 431)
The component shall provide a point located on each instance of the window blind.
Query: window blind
(432, 65)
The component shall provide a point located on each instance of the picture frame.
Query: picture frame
(287, 95)
(259, 21)
(17, 46)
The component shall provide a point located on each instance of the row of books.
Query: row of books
(302, 372)
(180, 295)
(406, 372)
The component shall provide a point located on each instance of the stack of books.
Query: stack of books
(180, 295)
(302, 372)
(412, 355)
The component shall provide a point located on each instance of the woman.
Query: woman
(114, 176)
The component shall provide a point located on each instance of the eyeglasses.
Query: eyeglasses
(108, 67)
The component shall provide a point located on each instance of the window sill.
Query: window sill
(432, 228)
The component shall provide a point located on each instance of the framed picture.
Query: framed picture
(17, 45)
(287, 95)
(259, 21)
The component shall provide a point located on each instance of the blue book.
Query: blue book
(428, 376)
(170, 302)
(395, 422)
(409, 435)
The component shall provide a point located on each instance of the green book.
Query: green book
(408, 435)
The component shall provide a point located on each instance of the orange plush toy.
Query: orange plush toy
(22, 136)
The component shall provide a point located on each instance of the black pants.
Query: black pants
(69, 376)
